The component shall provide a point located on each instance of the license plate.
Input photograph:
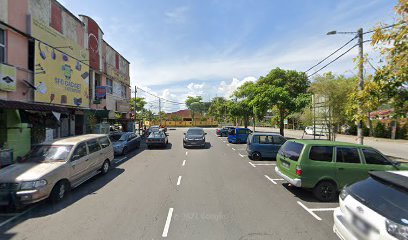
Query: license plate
(361, 225)
(285, 164)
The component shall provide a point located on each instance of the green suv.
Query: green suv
(326, 166)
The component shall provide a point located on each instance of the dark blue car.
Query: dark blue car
(264, 145)
(238, 135)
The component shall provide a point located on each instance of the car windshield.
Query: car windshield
(156, 135)
(46, 153)
(195, 132)
(124, 137)
(115, 137)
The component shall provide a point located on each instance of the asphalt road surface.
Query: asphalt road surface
(177, 193)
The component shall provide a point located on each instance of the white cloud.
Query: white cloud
(226, 89)
(177, 15)
(195, 89)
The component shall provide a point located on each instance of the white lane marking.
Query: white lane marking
(309, 211)
(252, 164)
(17, 216)
(322, 209)
(233, 149)
(273, 180)
(167, 225)
(264, 164)
(186, 153)
(184, 163)
(224, 141)
(241, 155)
(179, 180)
(120, 160)
(228, 144)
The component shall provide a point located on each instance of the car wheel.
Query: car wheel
(256, 156)
(105, 167)
(325, 191)
(59, 191)
(124, 151)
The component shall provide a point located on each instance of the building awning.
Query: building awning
(31, 106)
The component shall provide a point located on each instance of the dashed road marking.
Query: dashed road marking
(273, 180)
(184, 163)
(168, 221)
(252, 164)
(241, 155)
(233, 149)
(179, 180)
(224, 141)
(186, 153)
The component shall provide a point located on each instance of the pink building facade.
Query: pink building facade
(52, 63)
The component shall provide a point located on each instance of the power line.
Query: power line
(341, 55)
(163, 99)
(331, 54)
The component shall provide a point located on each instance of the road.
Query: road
(177, 193)
(396, 149)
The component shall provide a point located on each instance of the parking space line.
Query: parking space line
(309, 211)
(186, 153)
(273, 180)
(17, 216)
(179, 180)
(184, 163)
(120, 160)
(252, 164)
(264, 164)
(233, 149)
(322, 209)
(224, 141)
(168, 221)
(241, 155)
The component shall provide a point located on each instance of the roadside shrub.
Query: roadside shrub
(380, 130)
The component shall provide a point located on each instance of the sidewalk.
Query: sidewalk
(396, 149)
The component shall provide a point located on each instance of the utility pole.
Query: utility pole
(160, 111)
(134, 109)
(360, 136)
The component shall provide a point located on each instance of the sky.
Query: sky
(180, 48)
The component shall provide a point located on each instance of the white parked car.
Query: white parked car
(375, 208)
(309, 130)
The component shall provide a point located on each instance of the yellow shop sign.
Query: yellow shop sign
(60, 75)
(7, 78)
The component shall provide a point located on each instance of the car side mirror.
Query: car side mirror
(75, 157)
(205, 133)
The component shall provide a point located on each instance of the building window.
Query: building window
(124, 91)
(2, 46)
(109, 85)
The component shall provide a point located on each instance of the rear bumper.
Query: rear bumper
(193, 143)
(295, 182)
(341, 227)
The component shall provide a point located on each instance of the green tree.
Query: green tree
(392, 78)
(283, 89)
(336, 89)
(140, 104)
(195, 104)
(218, 108)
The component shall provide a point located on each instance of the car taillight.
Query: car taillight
(298, 170)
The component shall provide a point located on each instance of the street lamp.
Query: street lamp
(358, 34)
